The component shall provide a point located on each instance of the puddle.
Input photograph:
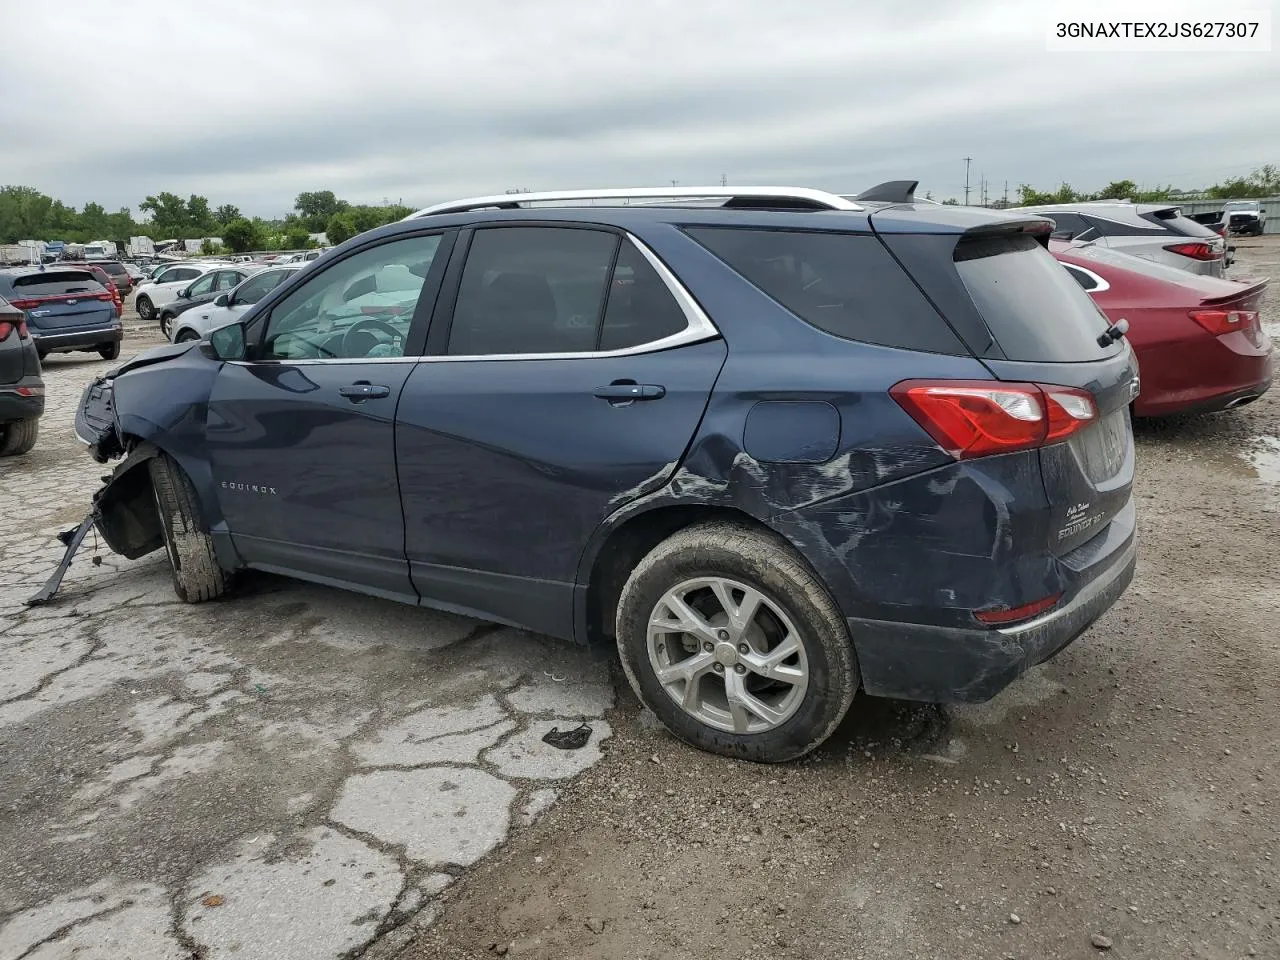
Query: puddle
(1263, 455)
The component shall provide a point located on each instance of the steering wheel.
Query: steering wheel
(359, 325)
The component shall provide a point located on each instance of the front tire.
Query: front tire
(186, 336)
(145, 310)
(196, 574)
(166, 324)
(727, 635)
(18, 437)
(109, 351)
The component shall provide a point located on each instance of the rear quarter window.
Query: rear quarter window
(54, 283)
(845, 284)
(1034, 309)
(1175, 222)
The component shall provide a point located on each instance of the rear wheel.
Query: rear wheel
(110, 351)
(166, 322)
(145, 310)
(18, 437)
(730, 639)
(196, 574)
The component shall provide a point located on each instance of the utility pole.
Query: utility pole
(724, 179)
(966, 180)
(1006, 193)
(675, 183)
(982, 178)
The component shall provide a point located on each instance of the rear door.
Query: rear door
(1046, 331)
(61, 301)
(566, 375)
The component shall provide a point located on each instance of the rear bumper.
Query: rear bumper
(77, 339)
(16, 406)
(1202, 374)
(970, 665)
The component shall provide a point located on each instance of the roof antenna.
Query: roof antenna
(891, 191)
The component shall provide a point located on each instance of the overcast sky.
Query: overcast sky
(252, 102)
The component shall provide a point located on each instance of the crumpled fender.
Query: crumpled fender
(126, 506)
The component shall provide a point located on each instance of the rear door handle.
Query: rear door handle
(627, 391)
(364, 390)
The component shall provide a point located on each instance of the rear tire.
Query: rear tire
(736, 709)
(18, 437)
(145, 310)
(196, 574)
(109, 351)
(166, 322)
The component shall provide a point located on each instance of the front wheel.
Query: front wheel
(166, 323)
(196, 574)
(18, 437)
(186, 336)
(145, 310)
(728, 636)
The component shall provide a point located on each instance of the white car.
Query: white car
(195, 324)
(164, 288)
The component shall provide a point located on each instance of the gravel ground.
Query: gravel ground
(1121, 799)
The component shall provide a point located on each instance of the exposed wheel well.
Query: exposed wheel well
(628, 544)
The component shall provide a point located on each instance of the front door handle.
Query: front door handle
(364, 390)
(625, 391)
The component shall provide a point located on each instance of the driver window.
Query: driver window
(201, 286)
(359, 308)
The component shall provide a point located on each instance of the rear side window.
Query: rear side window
(1117, 228)
(640, 309)
(1035, 310)
(55, 282)
(528, 290)
(257, 287)
(845, 284)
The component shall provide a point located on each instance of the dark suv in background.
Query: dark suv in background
(777, 444)
(21, 388)
(66, 309)
(118, 273)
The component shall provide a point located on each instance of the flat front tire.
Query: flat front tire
(727, 635)
(196, 574)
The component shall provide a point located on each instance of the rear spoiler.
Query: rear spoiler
(1042, 228)
(1248, 288)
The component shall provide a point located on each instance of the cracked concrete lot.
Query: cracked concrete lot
(295, 772)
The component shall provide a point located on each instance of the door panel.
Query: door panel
(306, 477)
(508, 466)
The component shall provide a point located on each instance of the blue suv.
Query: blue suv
(780, 445)
(66, 309)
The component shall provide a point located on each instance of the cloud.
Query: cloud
(251, 103)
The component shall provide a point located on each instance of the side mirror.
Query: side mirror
(221, 301)
(227, 342)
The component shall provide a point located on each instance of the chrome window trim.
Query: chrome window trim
(698, 329)
(1101, 284)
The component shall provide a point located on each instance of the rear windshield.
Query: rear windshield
(54, 282)
(1035, 310)
(845, 284)
(1173, 220)
(113, 268)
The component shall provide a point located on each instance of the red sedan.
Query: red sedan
(1199, 340)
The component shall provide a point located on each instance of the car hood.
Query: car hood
(149, 357)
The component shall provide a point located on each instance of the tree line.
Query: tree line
(1263, 182)
(28, 214)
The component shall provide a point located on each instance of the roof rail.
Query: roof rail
(797, 197)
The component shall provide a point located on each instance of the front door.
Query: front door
(301, 434)
(568, 382)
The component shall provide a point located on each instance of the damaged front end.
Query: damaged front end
(124, 508)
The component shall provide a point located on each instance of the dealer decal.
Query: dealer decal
(1078, 521)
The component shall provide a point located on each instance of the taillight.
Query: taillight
(9, 326)
(6, 328)
(978, 418)
(24, 304)
(107, 297)
(1197, 250)
(1218, 322)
